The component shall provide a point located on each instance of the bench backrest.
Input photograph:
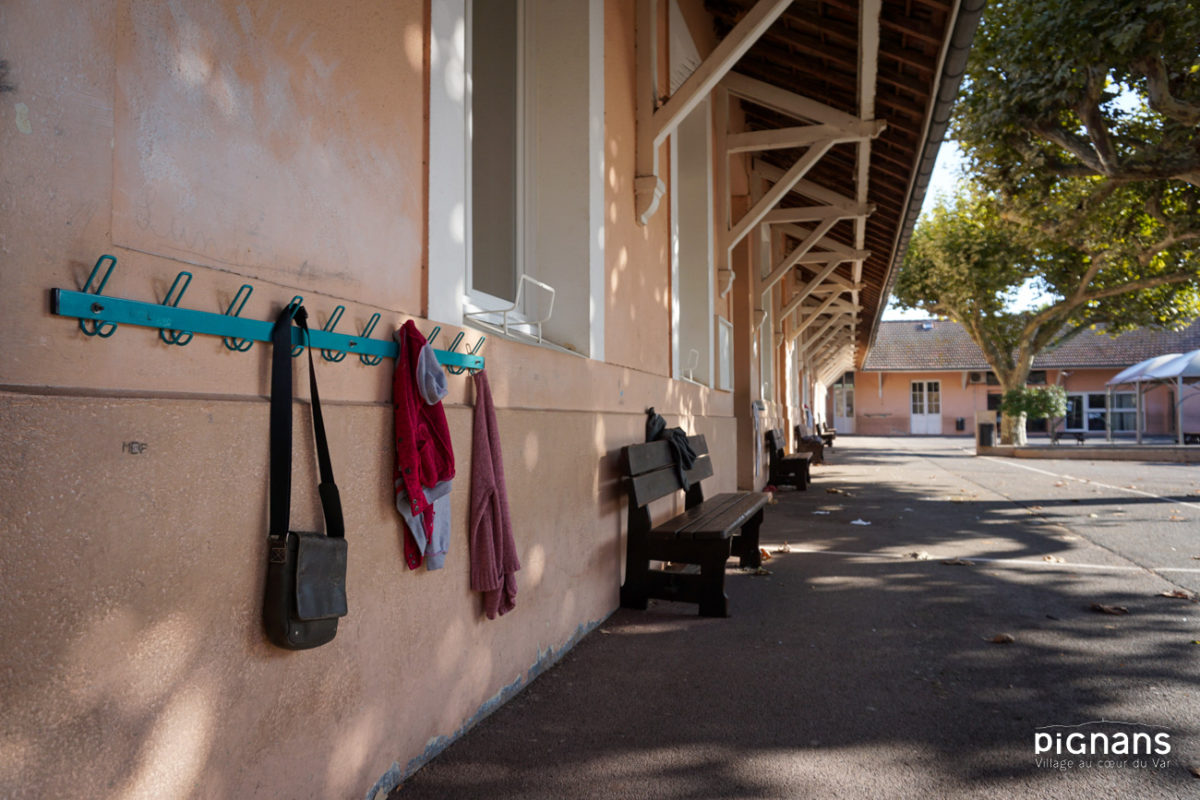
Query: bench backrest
(650, 468)
(775, 446)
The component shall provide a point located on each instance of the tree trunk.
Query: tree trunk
(1012, 426)
(1012, 429)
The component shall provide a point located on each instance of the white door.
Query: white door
(843, 407)
(926, 408)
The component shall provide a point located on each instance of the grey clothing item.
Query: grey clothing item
(439, 544)
(431, 378)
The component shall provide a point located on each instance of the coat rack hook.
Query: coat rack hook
(172, 299)
(370, 361)
(235, 309)
(473, 351)
(292, 307)
(433, 335)
(96, 327)
(330, 324)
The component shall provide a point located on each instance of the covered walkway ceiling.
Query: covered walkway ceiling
(896, 62)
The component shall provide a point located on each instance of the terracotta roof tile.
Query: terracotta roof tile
(938, 344)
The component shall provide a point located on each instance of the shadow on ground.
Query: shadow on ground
(860, 670)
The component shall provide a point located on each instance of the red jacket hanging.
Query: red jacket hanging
(424, 455)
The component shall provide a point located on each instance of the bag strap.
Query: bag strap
(281, 431)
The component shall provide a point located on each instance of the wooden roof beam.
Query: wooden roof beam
(803, 136)
(654, 123)
(783, 101)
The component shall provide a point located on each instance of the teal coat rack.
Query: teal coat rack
(100, 315)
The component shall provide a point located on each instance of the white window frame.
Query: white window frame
(681, 344)
(724, 355)
(574, 139)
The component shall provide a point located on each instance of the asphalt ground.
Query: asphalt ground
(863, 665)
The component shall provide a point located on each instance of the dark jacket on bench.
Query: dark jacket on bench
(676, 438)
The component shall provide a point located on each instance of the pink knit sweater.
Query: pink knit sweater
(493, 552)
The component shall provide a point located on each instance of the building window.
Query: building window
(724, 354)
(1086, 412)
(1036, 377)
(692, 247)
(926, 397)
(497, 151)
(766, 357)
(516, 164)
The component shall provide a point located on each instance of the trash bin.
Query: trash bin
(987, 433)
(960, 424)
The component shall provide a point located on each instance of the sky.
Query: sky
(941, 182)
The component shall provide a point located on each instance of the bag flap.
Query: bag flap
(320, 576)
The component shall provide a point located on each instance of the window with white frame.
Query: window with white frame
(1088, 411)
(692, 247)
(516, 173)
(497, 163)
(766, 357)
(691, 219)
(724, 354)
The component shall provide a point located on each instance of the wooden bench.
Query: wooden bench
(705, 534)
(813, 445)
(787, 470)
(827, 434)
(1191, 438)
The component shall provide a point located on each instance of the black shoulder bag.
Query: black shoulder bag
(306, 572)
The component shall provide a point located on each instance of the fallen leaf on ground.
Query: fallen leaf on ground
(1103, 609)
(1053, 559)
(835, 490)
(1060, 483)
(1035, 508)
(959, 562)
(1179, 594)
(917, 555)
(1195, 771)
(761, 571)
(1093, 516)
(1176, 518)
(762, 551)
(1002, 638)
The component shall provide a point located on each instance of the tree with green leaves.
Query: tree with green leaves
(1081, 125)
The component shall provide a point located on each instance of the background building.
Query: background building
(923, 377)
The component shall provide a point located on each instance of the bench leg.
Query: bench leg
(713, 600)
(746, 543)
(635, 590)
(806, 478)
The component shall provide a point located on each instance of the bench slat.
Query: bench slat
(716, 518)
(684, 525)
(732, 515)
(664, 481)
(642, 458)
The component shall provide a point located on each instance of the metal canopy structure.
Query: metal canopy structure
(1179, 369)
